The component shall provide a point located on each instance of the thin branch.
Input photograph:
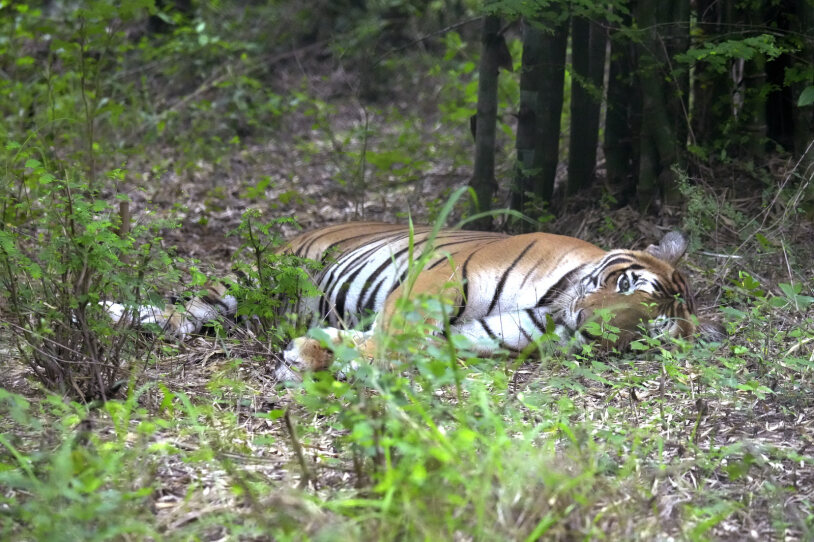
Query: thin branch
(307, 477)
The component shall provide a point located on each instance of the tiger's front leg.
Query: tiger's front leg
(309, 354)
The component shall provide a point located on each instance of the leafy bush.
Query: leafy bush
(275, 284)
(71, 254)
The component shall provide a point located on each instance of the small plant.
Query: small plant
(704, 211)
(73, 253)
(274, 282)
(76, 486)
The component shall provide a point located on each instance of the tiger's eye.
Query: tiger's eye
(624, 284)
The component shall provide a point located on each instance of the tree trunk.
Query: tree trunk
(555, 45)
(538, 123)
(661, 139)
(529, 162)
(621, 163)
(588, 41)
(483, 177)
(755, 114)
(676, 91)
(712, 103)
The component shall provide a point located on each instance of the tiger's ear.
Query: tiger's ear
(670, 249)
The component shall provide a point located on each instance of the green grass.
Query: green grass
(691, 443)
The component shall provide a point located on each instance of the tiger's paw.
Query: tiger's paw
(309, 354)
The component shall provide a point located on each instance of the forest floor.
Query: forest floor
(773, 432)
(752, 448)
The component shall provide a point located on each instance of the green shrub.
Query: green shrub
(78, 487)
(68, 254)
(275, 284)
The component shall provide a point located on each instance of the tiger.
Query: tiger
(504, 292)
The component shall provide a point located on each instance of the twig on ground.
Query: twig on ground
(295, 443)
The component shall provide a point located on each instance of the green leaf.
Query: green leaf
(271, 414)
(789, 290)
(733, 313)
(638, 345)
(806, 96)
(778, 302)
(320, 335)
(738, 469)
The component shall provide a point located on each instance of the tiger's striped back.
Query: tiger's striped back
(365, 262)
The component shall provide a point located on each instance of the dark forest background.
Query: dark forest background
(634, 94)
(148, 145)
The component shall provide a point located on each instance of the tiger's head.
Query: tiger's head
(642, 290)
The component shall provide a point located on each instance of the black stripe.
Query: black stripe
(525, 333)
(330, 281)
(465, 283)
(391, 260)
(613, 261)
(212, 300)
(443, 258)
(355, 265)
(488, 330)
(660, 289)
(400, 280)
(470, 239)
(341, 297)
(323, 306)
(502, 283)
(316, 236)
(540, 325)
(305, 244)
(437, 263)
(371, 301)
(374, 237)
(540, 261)
(336, 281)
(369, 282)
(494, 337)
(678, 278)
(558, 288)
